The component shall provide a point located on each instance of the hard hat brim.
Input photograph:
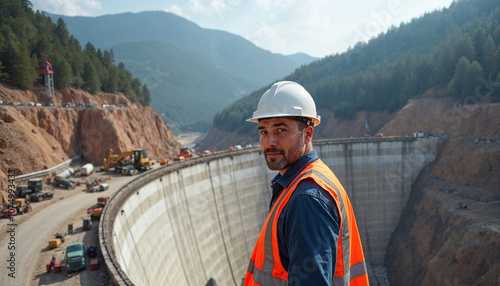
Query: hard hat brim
(315, 121)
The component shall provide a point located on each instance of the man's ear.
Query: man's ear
(308, 134)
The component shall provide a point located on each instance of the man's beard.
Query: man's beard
(294, 154)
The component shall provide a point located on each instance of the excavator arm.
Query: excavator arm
(114, 159)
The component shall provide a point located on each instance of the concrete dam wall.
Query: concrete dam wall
(199, 219)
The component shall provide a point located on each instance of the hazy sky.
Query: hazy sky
(318, 28)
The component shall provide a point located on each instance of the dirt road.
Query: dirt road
(23, 243)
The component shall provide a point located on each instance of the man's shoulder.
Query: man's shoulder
(309, 189)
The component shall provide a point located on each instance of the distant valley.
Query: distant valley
(191, 72)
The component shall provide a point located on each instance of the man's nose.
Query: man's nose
(269, 141)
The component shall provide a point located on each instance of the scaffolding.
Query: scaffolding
(48, 78)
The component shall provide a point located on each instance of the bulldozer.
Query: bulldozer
(33, 192)
(123, 164)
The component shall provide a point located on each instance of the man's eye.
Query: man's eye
(263, 132)
(281, 130)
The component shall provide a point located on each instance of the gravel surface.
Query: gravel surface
(33, 230)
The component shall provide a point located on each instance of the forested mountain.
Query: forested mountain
(192, 72)
(455, 51)
(28, 40)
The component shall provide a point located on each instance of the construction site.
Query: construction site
(94, 193)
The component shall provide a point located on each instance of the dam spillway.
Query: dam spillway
(199, 219)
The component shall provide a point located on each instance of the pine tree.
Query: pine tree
(489, 60)
(23, 71)
(456, 86)
(64, 76)
(90, 77)
(471, 81)
(146, 95)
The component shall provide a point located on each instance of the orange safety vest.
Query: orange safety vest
(265, 266)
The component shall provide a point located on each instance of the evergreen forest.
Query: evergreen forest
(29, 39)
(452, 52)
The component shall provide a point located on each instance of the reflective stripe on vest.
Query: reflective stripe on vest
(271, 272)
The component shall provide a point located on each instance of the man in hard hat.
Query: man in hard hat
(310, 236)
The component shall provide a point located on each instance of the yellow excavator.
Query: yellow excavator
(128, 162)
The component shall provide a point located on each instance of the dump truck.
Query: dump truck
(33, 192)
(129, 162)
(75, 257)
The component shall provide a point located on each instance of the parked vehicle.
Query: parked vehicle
(33, 191)
(96, 213)
(92, 250)
(68, 104)
(19, 207)
(75, 257)
(128, 162)
(66, 173)
(102, 188)
(87, 223)
(87, 169)
(185, 153)
(65, 183)
(102, 200)
(56, 242)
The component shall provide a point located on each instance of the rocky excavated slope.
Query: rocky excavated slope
(37, 138)
(449, 233)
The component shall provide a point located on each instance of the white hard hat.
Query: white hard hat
(286, 99)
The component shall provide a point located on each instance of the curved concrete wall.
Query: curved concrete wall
(183, 224)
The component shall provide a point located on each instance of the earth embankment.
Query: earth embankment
(35, 138)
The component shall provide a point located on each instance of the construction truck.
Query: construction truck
(75, 257)
(96, 213)
(185, 153)
(102, 201)
(19, 207)
(129, 162)
(33, 192)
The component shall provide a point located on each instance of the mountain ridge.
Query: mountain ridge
(244, 65)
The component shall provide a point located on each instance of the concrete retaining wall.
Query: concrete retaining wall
(183, 224)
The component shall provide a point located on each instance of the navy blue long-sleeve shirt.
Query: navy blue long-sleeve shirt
(308, 228)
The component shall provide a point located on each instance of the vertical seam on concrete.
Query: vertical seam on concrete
(182, 187)
(218, 220)
(165, 189)
(181, 184)
(233, 181)
(138, 253)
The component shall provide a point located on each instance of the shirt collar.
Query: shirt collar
(292, 172)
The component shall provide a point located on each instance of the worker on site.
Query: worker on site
(53, 261)
(310, 236)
